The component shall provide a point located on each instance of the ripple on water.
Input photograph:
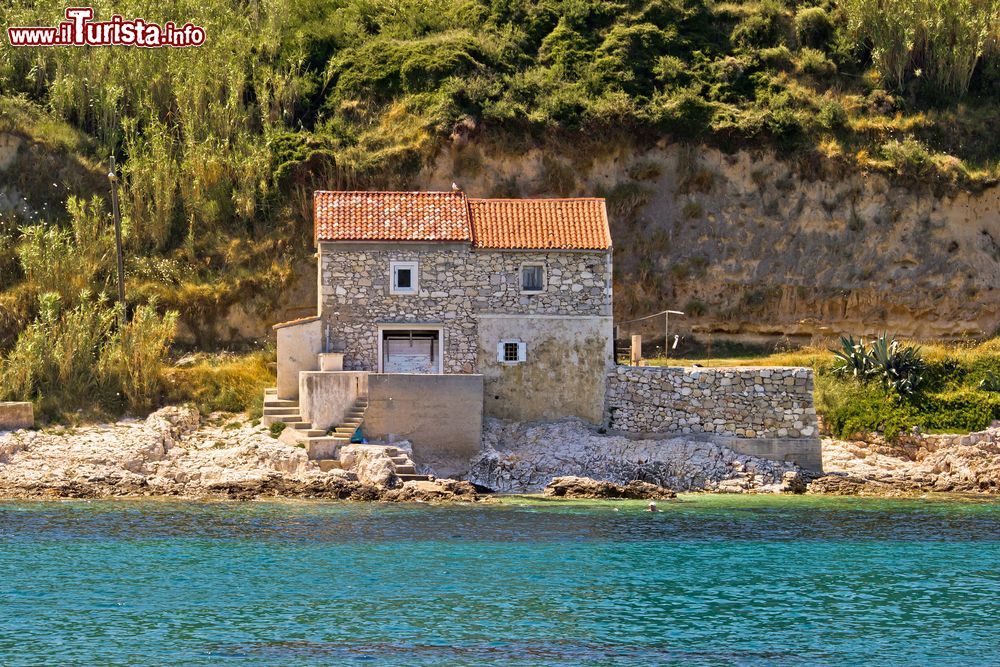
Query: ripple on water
(710, 580)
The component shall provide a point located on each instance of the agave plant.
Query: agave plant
(896, 365)
(990, 383)
(852, 358)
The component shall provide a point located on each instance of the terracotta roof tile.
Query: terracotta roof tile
(522, 224)
(391, 216)
(558, 224)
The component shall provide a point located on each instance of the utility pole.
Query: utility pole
(113, 177)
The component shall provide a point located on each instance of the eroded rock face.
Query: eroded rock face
(173, 453)
(917, 463)
(438, 490)
(584, 487)
(371, 464)
(522, 458)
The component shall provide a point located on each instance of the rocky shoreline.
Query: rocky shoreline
(176, 453)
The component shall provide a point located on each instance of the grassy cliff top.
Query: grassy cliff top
(221, 145)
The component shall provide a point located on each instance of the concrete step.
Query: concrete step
(280, 403)
(268, 410)
(298, 425)
(352, 422)
(406, 470)
(346, 430)
(312, 432)
(267, 420)
(323, 448)
(401, 459)
(415, 478)
(271, 390)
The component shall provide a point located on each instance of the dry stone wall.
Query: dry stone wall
(455, 285)
(735, 402)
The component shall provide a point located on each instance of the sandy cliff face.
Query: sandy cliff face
(750, 244)
(753, 244)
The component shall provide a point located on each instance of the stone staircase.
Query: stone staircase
(319, 444)
(352, 420)
(406, 469)
(324, 447)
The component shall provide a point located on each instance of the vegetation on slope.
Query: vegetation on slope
(221, 145)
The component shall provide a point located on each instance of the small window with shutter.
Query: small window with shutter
(511, 351)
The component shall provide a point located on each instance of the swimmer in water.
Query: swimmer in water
(652, 507)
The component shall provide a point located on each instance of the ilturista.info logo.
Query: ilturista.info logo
(79, 29)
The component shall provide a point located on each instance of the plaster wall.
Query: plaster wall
(298, 347)
(325, 397)
(564, 373)
(442, 415)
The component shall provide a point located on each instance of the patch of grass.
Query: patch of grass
(223, 382)
(693, 209)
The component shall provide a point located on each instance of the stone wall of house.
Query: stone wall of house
(737, 402)
(455, 285)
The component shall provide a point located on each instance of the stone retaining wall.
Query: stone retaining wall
(16, 415)
(775, 402)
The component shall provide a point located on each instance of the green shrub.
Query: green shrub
(832, 115)
(628, 54)
(776, 57)
(695, 307)
(909, 157)
(133, 358)
(760, 29)
(815, 63)
(692, 210)
(687, 113)
(813, 27)
(941, 41)
(74, 358)
(68, 261)
(276, 429)
(958, 411)
(852, 409)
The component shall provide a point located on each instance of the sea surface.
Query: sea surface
(710, 580)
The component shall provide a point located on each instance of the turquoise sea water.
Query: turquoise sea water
(712, 580)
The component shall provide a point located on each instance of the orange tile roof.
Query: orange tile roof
(557, 224)
(516, 224)
(391, 216)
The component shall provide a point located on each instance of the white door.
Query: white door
(411, 351)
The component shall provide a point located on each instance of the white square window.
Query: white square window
(404, 277)
(511, 352)
(532, 278)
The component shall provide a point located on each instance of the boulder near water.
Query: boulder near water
(585, 487)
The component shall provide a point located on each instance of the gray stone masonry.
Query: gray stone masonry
(741, 402)
(456, 283)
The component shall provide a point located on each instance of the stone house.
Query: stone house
(437, 309)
